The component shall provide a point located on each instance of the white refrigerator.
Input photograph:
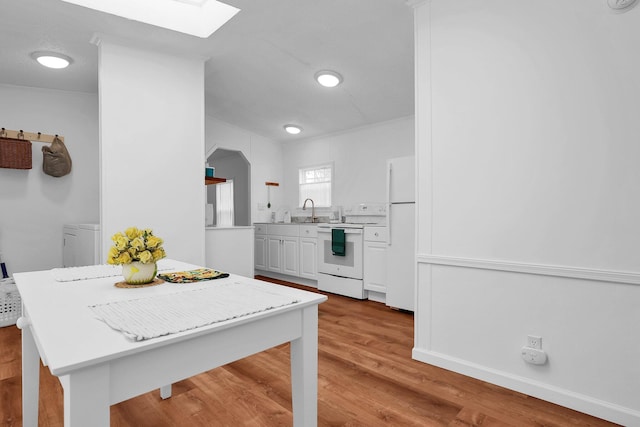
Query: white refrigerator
(401, 254)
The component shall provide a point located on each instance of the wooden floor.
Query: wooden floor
(366, 378)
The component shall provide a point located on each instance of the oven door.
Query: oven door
(349, 265)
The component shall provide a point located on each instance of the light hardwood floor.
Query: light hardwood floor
(366, 378)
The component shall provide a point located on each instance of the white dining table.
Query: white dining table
(99, 366)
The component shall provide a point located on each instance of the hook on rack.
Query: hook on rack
(29, 136)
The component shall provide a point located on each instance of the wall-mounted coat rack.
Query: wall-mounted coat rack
(29, 136)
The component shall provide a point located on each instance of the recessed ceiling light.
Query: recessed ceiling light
(328, 78)
(293, 129)
(52, 59)
(622, 5)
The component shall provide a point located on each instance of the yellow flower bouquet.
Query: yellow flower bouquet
(135, 245)
(137, 251)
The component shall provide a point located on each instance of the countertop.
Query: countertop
(239, 227)
(291, 223)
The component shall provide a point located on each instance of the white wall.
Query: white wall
(152, 146)
(34, 206)
(230, 250)
(359, 157)
(527, 143)
(264, 155)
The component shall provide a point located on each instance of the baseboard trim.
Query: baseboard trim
(540, 269)
(588, 405)
(287, 278)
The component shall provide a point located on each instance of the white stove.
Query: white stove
(340, 250)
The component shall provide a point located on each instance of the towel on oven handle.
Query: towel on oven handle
(338, 241)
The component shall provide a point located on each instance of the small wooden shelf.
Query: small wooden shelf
(213, 180)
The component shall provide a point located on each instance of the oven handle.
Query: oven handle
(346, 230)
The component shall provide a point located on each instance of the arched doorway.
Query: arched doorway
(232, 202)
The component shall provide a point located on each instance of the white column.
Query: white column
(152, 146)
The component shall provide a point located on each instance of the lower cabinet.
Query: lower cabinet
(375, 259)
(308, 252)
(282, 249)
(260, 252)
(286, 249)
(283, 254)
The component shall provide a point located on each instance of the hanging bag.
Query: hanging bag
(56, 160)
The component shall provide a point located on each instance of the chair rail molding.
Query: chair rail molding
(529, 268)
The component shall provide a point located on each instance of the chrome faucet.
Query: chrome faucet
(313, 209)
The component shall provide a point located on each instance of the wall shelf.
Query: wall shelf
(213, 180)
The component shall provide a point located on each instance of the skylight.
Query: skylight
(199, 18)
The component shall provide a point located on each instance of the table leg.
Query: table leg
(165, 391)
(304, 371)
(86, 397)
(30, 378)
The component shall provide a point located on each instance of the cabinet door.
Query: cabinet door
(260, 248)
(375, 267)
(290, 255)
(308, 258)
(274, 259)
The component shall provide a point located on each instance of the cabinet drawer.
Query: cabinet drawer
(375, 234)
(282, 230)
(308, 231)
(260, 228)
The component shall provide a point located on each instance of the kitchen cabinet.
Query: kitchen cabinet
(260, 247)
(282, 248)
(69, 245)
(375, 259)
(287, 249)
(81, 245)
(308, 252)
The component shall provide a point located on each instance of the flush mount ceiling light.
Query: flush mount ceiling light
(622, 5)
(199, 18)
(328, 78)
(52, 59)
(293, 129)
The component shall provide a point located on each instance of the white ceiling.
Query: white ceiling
(260, 72)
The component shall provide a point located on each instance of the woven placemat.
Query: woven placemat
(156, 281)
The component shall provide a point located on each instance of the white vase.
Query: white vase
(137, 273)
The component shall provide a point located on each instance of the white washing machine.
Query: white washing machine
(81, 245)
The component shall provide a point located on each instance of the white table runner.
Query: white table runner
(151, 317)
(71, 274)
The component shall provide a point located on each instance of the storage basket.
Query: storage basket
(15, 153)
(10, 303)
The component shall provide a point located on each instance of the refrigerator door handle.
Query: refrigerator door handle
(389, 204)
(389, 225)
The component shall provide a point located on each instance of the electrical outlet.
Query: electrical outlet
(534, 342)
(534, 356)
